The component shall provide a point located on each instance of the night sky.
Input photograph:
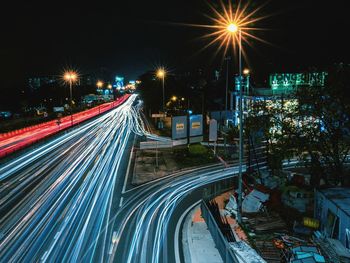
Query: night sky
(130, 37)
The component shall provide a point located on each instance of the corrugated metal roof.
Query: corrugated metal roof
(339, 196)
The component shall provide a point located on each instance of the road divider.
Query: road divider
(15, 140)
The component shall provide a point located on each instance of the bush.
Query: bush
(198, 149)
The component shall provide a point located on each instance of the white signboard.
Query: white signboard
(213, 130)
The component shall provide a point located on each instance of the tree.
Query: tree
(322, 132)
(265, 122)
(314, 125)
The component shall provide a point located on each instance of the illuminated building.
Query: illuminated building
(282, 85)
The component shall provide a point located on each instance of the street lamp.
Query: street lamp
(233, 28)
(229, 27)
(161, 74)
(246, 73)
(70, 77)
(226, 90)
(99, 84)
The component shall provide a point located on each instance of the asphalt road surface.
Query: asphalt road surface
(55, 201)
(68, 200)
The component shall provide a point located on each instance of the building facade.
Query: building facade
(332, 209)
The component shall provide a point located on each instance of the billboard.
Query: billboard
(179, 127)
(196, 125)
(291, 80)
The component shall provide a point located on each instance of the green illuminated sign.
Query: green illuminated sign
(293, 80)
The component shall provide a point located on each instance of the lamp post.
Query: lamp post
(233, 29)
(109, 86)
(239, 214)
(226, 90)
(99, 85)
(161, 74)
(70, 77)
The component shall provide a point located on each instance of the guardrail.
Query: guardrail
(221, 243)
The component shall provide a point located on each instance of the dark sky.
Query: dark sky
(129, 37)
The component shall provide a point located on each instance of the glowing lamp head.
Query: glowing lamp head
(160, 73)
(173, 98)
(67, 76)
(109, 86)
(233, 28)
(73, 76)
(246, 71)
(70, 76)
(99, 84)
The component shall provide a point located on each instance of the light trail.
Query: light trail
(149, 211)
(63, 201)
(57, 199)
(18, 139)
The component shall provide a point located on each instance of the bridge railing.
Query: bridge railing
(221, 242)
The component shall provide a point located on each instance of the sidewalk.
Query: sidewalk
(198, 244)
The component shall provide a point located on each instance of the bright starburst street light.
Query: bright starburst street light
(233, 28)
(160, 73)
(228, 21)
(70, 76)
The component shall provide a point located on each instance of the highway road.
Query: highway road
(15, 140)
(55, 201)
(147, 226)
(68, 200)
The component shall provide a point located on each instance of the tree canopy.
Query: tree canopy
(312, 124)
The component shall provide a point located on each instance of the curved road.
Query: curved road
(145, 227)
(66, 201)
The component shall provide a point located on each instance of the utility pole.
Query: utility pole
(163, 93)
(188, 123)
(226, 90)
(239, 208)
(71, 101)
